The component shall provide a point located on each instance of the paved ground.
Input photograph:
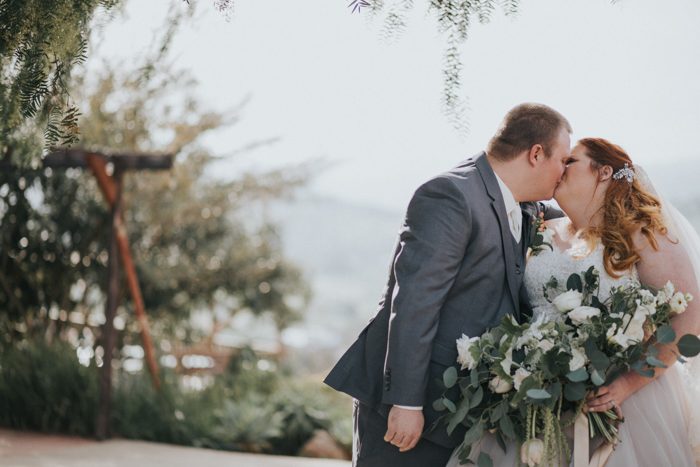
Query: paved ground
(22, 449)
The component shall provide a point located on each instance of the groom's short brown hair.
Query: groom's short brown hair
(524, 126)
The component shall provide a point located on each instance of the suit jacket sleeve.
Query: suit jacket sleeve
(432, 244)
(550, 212)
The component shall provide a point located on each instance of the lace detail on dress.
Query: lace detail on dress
(561, 264)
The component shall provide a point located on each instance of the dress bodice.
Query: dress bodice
(560, 264)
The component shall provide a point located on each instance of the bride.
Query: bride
(616, 222)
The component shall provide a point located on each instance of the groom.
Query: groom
(458, 268)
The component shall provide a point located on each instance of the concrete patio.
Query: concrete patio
(26, 449)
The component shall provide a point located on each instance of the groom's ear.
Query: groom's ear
(535, 155)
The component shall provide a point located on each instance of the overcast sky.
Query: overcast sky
(325, 82)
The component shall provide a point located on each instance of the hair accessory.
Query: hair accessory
(626, 172)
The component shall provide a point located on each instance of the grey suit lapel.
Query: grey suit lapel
(498, 206)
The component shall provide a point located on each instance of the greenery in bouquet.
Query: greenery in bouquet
(528, 382)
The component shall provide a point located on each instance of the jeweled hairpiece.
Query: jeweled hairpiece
(626, 172)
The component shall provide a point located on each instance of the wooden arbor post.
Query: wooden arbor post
(111, 186)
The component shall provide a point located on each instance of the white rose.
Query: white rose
(632, 335)
(582, 314)
(568, 301)
(678, 303)
(546, 345)
(500, 385)
(519, 377)
(648, 309)
(464, 353)
(531, 452)
(640, 314)
(578, 359)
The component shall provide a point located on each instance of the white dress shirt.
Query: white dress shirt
(515, 215)
(515, 222)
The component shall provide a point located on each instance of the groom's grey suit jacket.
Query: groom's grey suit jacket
(456, 270)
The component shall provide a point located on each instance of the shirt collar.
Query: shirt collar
(508, 199)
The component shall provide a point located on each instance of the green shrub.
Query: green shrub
(43, 387)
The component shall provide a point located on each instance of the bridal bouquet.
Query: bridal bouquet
(527, 382)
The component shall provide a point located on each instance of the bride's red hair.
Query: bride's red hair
(627, 208)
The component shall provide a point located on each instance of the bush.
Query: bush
(43, 387)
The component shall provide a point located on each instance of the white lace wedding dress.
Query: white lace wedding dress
(656, 431)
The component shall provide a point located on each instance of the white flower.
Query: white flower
(611, 331)
(661, 297)
(633, 333)
(464, 351)
(578, 359)
(568, 301)
(678, 303)
(519, 377)
(500, 385)
(648, 298)
(531, 452)
(648, 309)
(669, 289)
(507, 362)
(547, 235)
(583, 314)
(546, 345)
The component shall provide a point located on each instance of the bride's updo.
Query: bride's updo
(627, 208)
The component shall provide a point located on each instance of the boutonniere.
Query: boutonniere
(540, 235)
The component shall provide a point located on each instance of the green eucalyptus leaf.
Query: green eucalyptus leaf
(459, 416)
(574, 392)
(655, 362)
(578, 376)
(648, 372)
(665, 334)
(506, 426)
(474, 433)
(689, 345)
(538, 394)
(597, 378)
(449, 377)
(477, 397)
(484, 460)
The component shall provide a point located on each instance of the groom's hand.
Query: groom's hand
(404, 428)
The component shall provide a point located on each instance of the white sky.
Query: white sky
(324, 81)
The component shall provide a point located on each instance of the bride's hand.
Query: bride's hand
(610, 397)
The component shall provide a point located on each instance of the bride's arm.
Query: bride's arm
(669, 262)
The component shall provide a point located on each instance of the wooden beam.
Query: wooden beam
(109, 190)
(104, 408)
(65, 158)
(124, 161)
